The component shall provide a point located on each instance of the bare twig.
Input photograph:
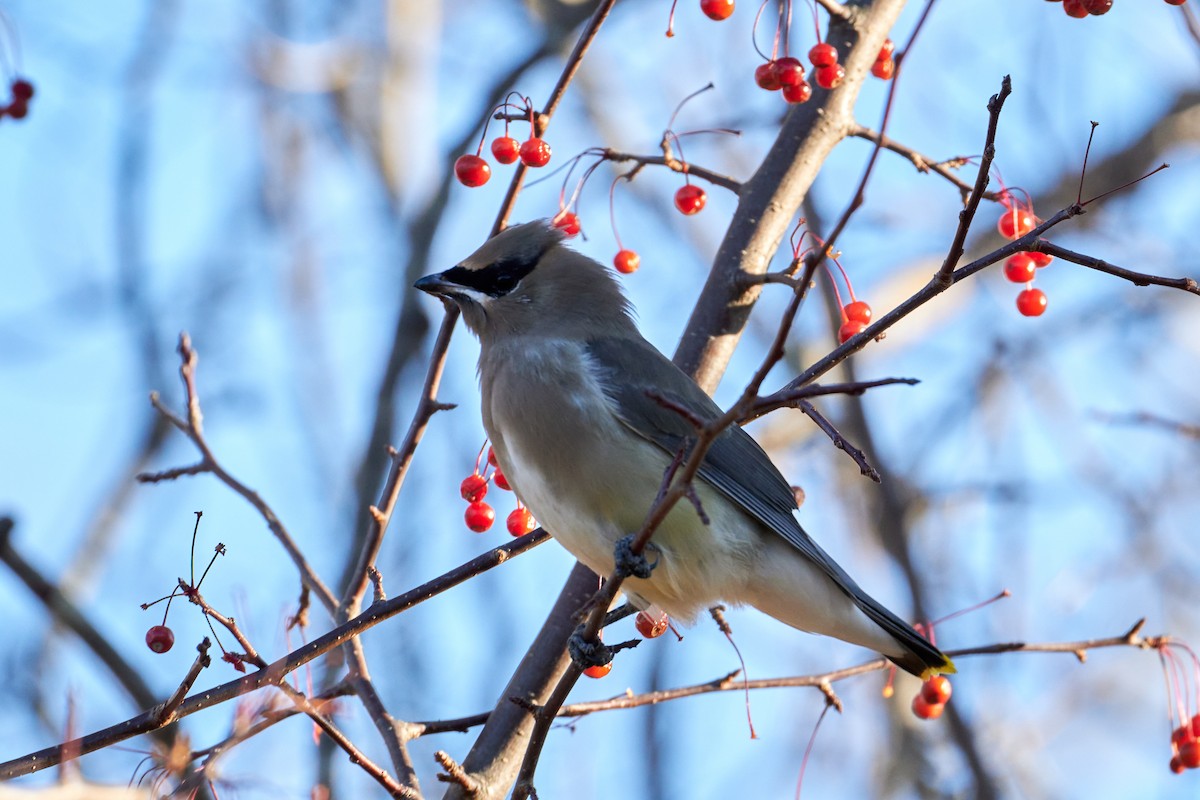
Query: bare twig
(193, 428)
(276, 671)
(1100, 265)
(791, 398)
(922, 162)
(715, 178)
(967, 215)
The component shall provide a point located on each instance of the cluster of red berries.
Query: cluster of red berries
(787, 74)
(473, 170)
(479, 515)
(931, 700)
(1185, 746)
(856, 316)
(885, 65)
(1016, 221)
(18, 108)
(1094, 8)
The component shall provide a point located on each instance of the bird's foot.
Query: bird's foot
(593, 652)
(588, 653)
(634, 565)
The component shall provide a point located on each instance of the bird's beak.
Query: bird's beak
(434, 284)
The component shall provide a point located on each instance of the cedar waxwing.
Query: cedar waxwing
(566, 380)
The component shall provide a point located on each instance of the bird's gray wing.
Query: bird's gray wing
(734, 465)
(632, 372)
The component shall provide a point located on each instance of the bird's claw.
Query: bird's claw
(588, 653)
(630, 564)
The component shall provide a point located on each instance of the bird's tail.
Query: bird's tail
(921, 658)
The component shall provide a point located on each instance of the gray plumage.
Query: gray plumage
(565, 377)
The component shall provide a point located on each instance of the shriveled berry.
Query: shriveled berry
(789, 71)
(850, 328)
(535, 152)
(567, 222)
(823, 55)
(800, 93)
(764, 76)
(520, 521)
(884, 70)
(649, 626)
(717, 9)
(471, 170)
(858, 310)
(689, 199)
(506, 149)
(1015, 222)
(923, 709)
(479, 516)
(474, 488)
(501, 481)
(1032, 302)
(626, 261)
(598, 671)
(830, 77)
(160, 638)
(1019, 268)
(936, 690)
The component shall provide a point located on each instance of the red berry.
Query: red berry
(21, 89)
(626, 261)
(1196, 726)
(491, 457)
(1031, 302)
(717, 9)
(800, 93)
(501, 481)
(506, 149)
(1176, 765)
(535, 152)
(1189, 754)
(567, 222)
(823, 55)
(850, 328)
(1097, 7)
(830, 77)
(520, 521)
(651, 627)
(936, 690)
(471, 170)
(926, 710)
(884, 70)
(764, 76)
(689, 199)
(789, 71)
(858, 310)
(1015, 222)
(479, 516)
(1019, 268)
(598, 671)
(17, 109)
(885, 52)
(1180, 735)
(1075, 8)
(160, 638)
(1176, 2)
(473, 488)
(1040, 259)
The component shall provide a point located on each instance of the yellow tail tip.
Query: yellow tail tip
(947, 668)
